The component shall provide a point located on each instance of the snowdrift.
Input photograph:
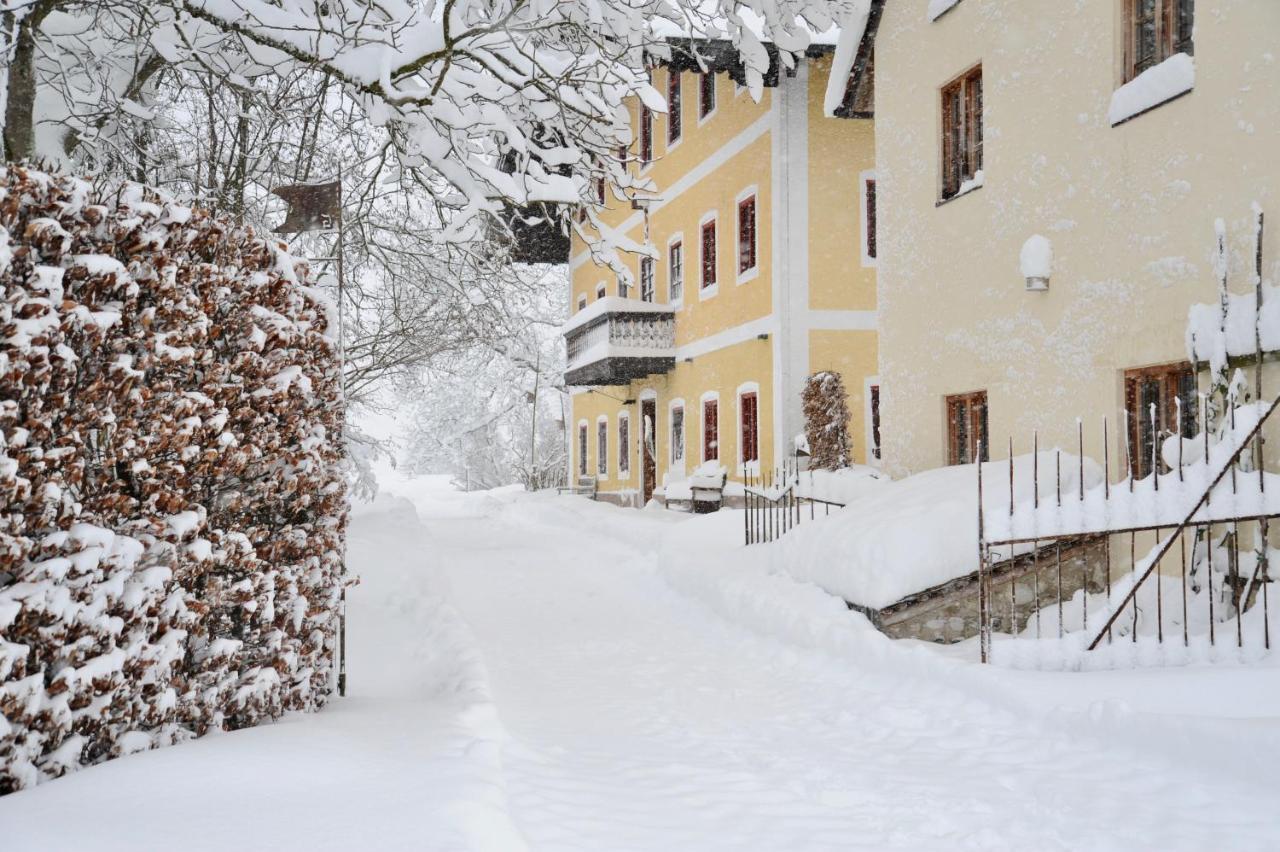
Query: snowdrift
(171, 503)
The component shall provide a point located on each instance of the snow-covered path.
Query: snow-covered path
(524, 678)
(637, 720)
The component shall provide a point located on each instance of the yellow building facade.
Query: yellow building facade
(760, 270)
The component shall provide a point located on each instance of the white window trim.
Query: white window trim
(584, 460)
(653, 140)
(677, 237)
(705, 293)
(582, 301)
(678, 465)
(744, 467)
(868, 262)
(602, 476)
(624, 452)
(602, 289)
(671, 146)
(754, 272)
(715, 95)
(867, 384)
(706, 397)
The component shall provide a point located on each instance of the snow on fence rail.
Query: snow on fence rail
(172, 504)
(1180, 532)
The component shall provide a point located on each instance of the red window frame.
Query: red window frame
(677, 433)
(624, 437)
(749, 405)
(747, 234)
(708, 259)
(602, 448)
(646, 136)
(706, 94)
(673, 107)
(582, 449)
(710, 430)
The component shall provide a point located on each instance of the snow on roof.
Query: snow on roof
(903, 537)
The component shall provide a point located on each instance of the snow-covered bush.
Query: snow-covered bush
(171, 503)
(826, 420)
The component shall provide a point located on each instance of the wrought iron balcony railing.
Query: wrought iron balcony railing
(616, 340)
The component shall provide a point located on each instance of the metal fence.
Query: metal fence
(774, 504)
(1181, 556)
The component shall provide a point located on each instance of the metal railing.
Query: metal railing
(1193, 548)
(774, 505)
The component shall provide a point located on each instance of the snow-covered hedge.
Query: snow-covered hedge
(172, 508)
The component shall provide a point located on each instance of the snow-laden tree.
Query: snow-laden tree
(494, 415)
(481, 100)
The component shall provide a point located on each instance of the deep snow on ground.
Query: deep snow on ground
(536, 672)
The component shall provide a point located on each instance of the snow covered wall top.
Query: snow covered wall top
(171, 501)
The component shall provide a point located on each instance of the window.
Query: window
(602, 447)
(1158, 401)
(599, 189)
(673, 107)
(1154, 31)
(582, 448)
(582, 301)
(873, 400)
(869, 219)
(624, 289)
(961, 133)
(747, 234)
(646, 136)
(710, 429)
(646, 279)
(677, 435)
(709, 254)
(624, 450)
(750, 408)
(675, 271)
(706, 95)
(601, 291)
(967, 428)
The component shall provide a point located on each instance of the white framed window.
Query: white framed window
(624, 445)
(582, 448)
(646, 279)
(871, 406)
(709, 404)
(867, 216)
(748, 397)
(624, 286)
(582, 301)
(675, 270)
(601, 290)
(747, 260)
(675, 416)
(708, 256)
(602, 446)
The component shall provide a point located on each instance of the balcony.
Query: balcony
(615, 340)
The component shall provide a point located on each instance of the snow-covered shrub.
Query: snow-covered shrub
(826, 421)
(171, 503)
